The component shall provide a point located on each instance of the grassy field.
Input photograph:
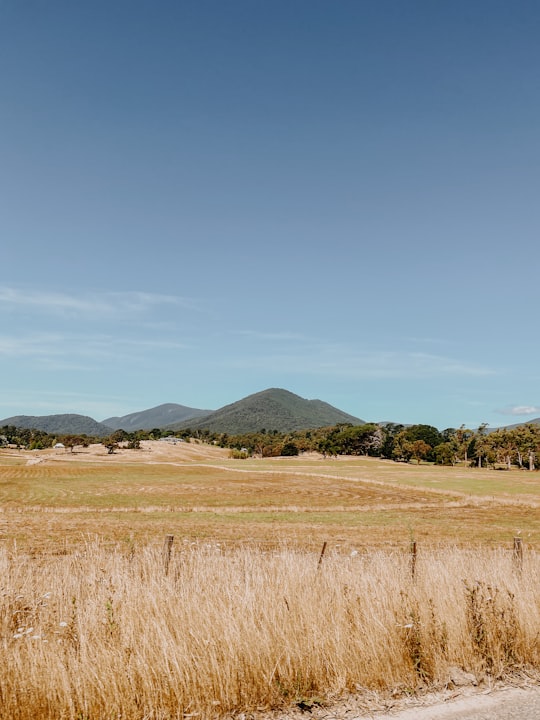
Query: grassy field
(243, 620)
(198, 493)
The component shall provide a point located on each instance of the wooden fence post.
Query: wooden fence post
(167, 549)
(321, 555)
(518, 554)
(413, 556)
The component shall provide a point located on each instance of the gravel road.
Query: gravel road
(511, 704)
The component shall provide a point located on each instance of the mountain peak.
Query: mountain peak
(272, 409)
(156, 417)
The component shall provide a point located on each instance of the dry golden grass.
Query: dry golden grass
(106, 634)
(92, 628)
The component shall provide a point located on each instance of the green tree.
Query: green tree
(402, 447)
(390, 432)
(289, 449)
(419, 450)
(358, 439)
(479, 447)
(119, 436)
(527, 441)
(463, 437)
(326, 447)
(73, 441)
(111, 444)
(429, 434)
(502, 444)
(445, 453)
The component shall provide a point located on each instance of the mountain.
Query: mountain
(59, 424)
(272, 409)
(534, 421)
(157, 417)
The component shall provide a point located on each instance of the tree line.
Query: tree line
(505, 447)
(414, 443)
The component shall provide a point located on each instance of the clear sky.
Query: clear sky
(201, 199)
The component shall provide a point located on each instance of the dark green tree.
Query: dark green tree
(289, 449)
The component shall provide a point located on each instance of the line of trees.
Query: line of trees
(506, 447)
(32, 439)
(518, 446)
(37, 439)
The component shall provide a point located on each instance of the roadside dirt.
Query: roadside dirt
(488, 702)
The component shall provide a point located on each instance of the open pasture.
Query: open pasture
(51, 500)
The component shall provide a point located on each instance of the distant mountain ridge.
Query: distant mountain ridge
(66, 424)
(534, 421)
(156, 417)
(272, 409)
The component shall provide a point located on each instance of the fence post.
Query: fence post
(517, 555)
(321, 555)
(413, 556)
(167, 549)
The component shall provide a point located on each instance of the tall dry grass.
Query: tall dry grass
(104, 634)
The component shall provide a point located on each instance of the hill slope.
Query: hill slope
(534, 421)
(62, 424)
(157, 417)
(272, 409)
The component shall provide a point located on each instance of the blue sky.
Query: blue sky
(203, 199)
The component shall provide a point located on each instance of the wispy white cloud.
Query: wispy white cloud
(154, 344)
(520, 410)
(293, 352)
(345, 361)
(34, 345)
(270, 336)
(69, 349)
(442, 365)
(94, 303)
(419, 340)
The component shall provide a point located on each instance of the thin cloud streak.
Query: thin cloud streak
(298, 353)
(110, 303)
(54, 346)
(352, 364)
(271, 337)
(37, 345)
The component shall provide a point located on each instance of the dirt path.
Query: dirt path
(508, 704)
(468, 703)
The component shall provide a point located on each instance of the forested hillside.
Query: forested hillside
(68, 423)
(272, 409)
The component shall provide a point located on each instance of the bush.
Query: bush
(236, 454)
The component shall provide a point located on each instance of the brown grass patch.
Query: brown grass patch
(106, 633)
